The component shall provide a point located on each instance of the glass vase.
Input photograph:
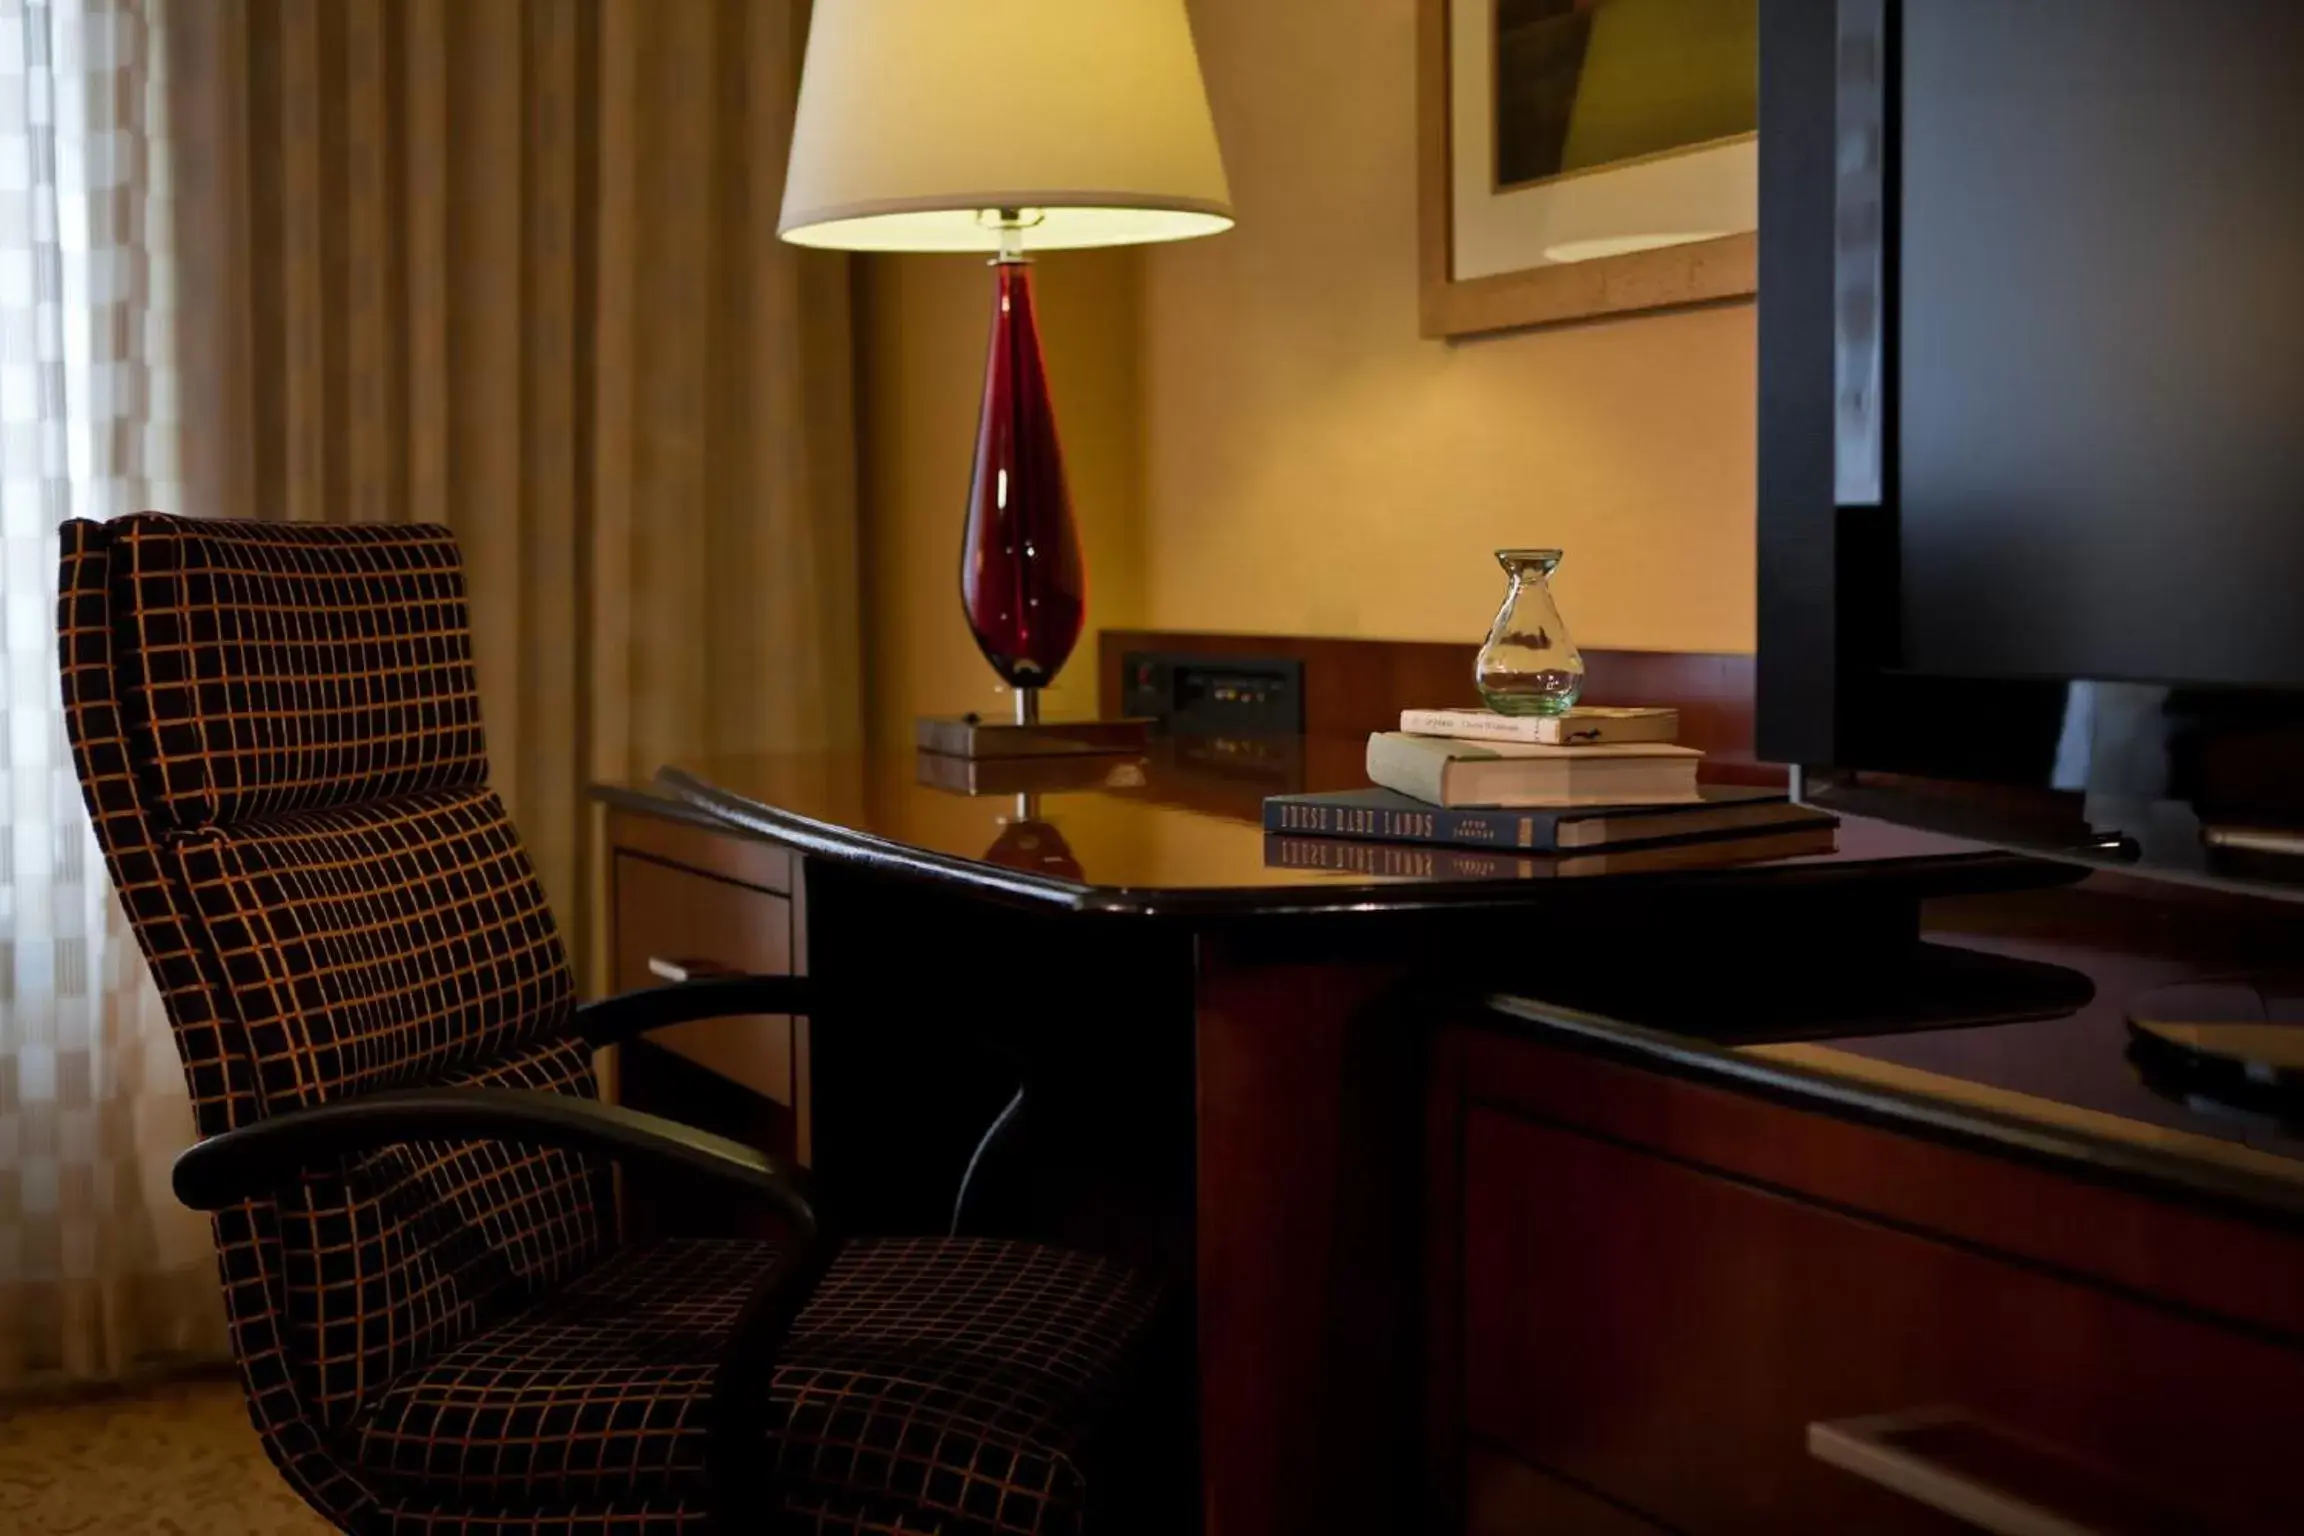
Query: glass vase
(1529, 665)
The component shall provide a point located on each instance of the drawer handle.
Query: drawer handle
(1914, 1454)
(686, 969)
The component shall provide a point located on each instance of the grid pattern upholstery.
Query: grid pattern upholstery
(945, 1382)
(303, 716)
(380, 945)
(594, 1396)
(932, 1385)
(412, 1248)
(277, 734)
(217, 1068)
(275, 667)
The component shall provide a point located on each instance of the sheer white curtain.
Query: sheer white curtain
(101, 1273)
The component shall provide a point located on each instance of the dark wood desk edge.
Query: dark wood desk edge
(831, 840)
(1928, 875)
(648, 802)
(2164, 1176)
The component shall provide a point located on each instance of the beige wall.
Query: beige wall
(1313, 467)
(1257, 437)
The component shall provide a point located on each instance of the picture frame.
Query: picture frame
(1713, 269)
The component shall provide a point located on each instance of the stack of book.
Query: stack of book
(1610, 786)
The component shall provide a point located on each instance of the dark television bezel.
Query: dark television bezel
(1864, 736)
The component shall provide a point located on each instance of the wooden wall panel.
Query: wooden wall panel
(1352, 687)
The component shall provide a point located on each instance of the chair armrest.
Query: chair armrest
(253, 1159)
(612, 1020)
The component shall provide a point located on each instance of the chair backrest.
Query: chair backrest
(278, 733)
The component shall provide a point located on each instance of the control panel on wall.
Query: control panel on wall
(1192, 695)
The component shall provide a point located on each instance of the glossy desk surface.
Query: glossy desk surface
(1179, 833)
(2053, 1085)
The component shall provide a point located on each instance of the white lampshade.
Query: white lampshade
(919, 119)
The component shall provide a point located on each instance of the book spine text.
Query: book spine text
(1480, 829)
(1394, 861)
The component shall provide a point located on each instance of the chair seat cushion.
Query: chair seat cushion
(938, 1385)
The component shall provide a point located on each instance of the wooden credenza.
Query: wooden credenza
(1652, 1294)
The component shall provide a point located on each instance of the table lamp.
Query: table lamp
(1001, 126)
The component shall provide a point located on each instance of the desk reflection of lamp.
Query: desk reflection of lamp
(1032, 845)
(1029, 775)
(990, 127)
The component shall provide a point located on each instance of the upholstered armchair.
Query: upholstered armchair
(439, 1327)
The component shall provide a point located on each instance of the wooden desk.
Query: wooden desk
(1227, 1053)
(1664, 1251)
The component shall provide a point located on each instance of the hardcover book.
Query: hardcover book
(1416, 861)
(1584, 725)
(1455, 773)
(1382, 815)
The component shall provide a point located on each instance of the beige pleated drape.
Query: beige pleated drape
(511, 265)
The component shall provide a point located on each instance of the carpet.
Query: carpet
(172, 1460)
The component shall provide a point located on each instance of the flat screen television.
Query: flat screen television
(2031, 479)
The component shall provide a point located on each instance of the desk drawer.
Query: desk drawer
(668, 916)
(1665, 1334)
(705, 849)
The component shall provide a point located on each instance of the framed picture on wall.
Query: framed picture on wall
(1580, 158)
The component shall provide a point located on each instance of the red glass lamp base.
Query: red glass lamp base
(1021, 579)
